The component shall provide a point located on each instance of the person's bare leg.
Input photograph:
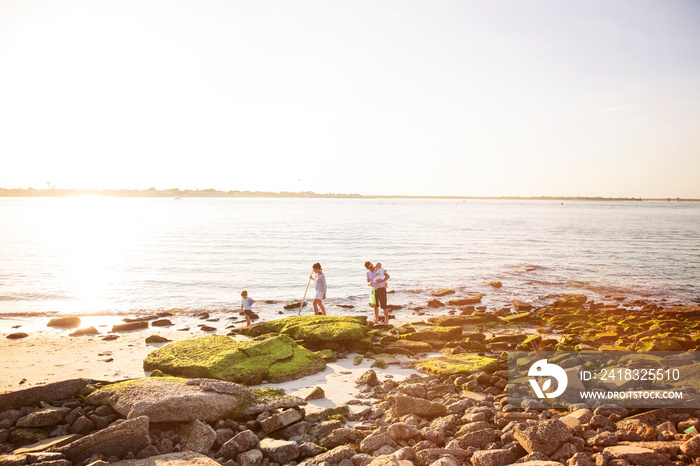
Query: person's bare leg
(386, 315)
(376, 314)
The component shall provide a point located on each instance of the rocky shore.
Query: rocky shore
(196, 407)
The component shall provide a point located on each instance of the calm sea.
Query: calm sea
(85, 255)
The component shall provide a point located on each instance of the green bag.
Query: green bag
(372, 299)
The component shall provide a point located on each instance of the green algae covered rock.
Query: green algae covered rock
(406, 347)
(462, 364)
(275, 359)
(434, 333)
(451, 321)
(318, 332)
(574, 300)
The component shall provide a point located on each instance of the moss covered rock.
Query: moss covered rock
(574, 300)
(434, 333)
(275, 359)
(451, 321)
(406, 347)
(456, 364)
(318, 332)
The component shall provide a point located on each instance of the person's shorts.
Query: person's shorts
(380, 296)
(319, 295)
(248, 312)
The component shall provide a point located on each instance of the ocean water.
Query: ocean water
(93, 255)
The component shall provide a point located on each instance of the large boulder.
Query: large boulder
(318, 332)
(184, 458)
(462, 364)
(48, 393)
(275, 359)
(167, 399)
(118, 440)
(419, 406)
(170, 399)
(64, 322)
(434, 333)
(542, 436)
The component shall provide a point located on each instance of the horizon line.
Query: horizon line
(211, 192)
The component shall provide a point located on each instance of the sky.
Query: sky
(389, 97)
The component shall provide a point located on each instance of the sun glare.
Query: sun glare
(87, 239)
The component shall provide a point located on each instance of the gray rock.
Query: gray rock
(85, 331)
(148, 452)
(129, 326)
(279, 451)
(604, 439)
(250, 458)
(13, 460)
(415, 390)
(185, 458)
(580, 459)
(538, 463)
(46, 445)
(602, 422)
(309, 449)
(493, 457)
(197, 436)
(636, 455)
(295, 430)
(116, 440)
(375, 441)
(334, 456)
(323, 429)
(369, 378)
(161, 323)
(402, 431)
(544, 436)
(565, 452)
(418, 406)
(342, 436)
(478, 439)
(692, 447)
(607, 410)
(61, 462)
(224, 435)
(280, 420)
(64, 322)
(48, 417)
(444, 461)
(240, 443)
(472, 427)
(39, 457)
(48, 393)
(82, 425)
(315, 393)
(165, 400)
(324, 414)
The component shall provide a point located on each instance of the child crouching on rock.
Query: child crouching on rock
(247, 306)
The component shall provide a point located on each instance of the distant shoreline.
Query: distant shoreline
(212, 193)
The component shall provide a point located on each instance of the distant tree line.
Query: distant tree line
(210, 192)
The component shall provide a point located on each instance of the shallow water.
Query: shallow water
(84, 255)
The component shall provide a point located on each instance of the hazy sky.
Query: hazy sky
(476, 98)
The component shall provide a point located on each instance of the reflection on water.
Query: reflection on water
(91, 254)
